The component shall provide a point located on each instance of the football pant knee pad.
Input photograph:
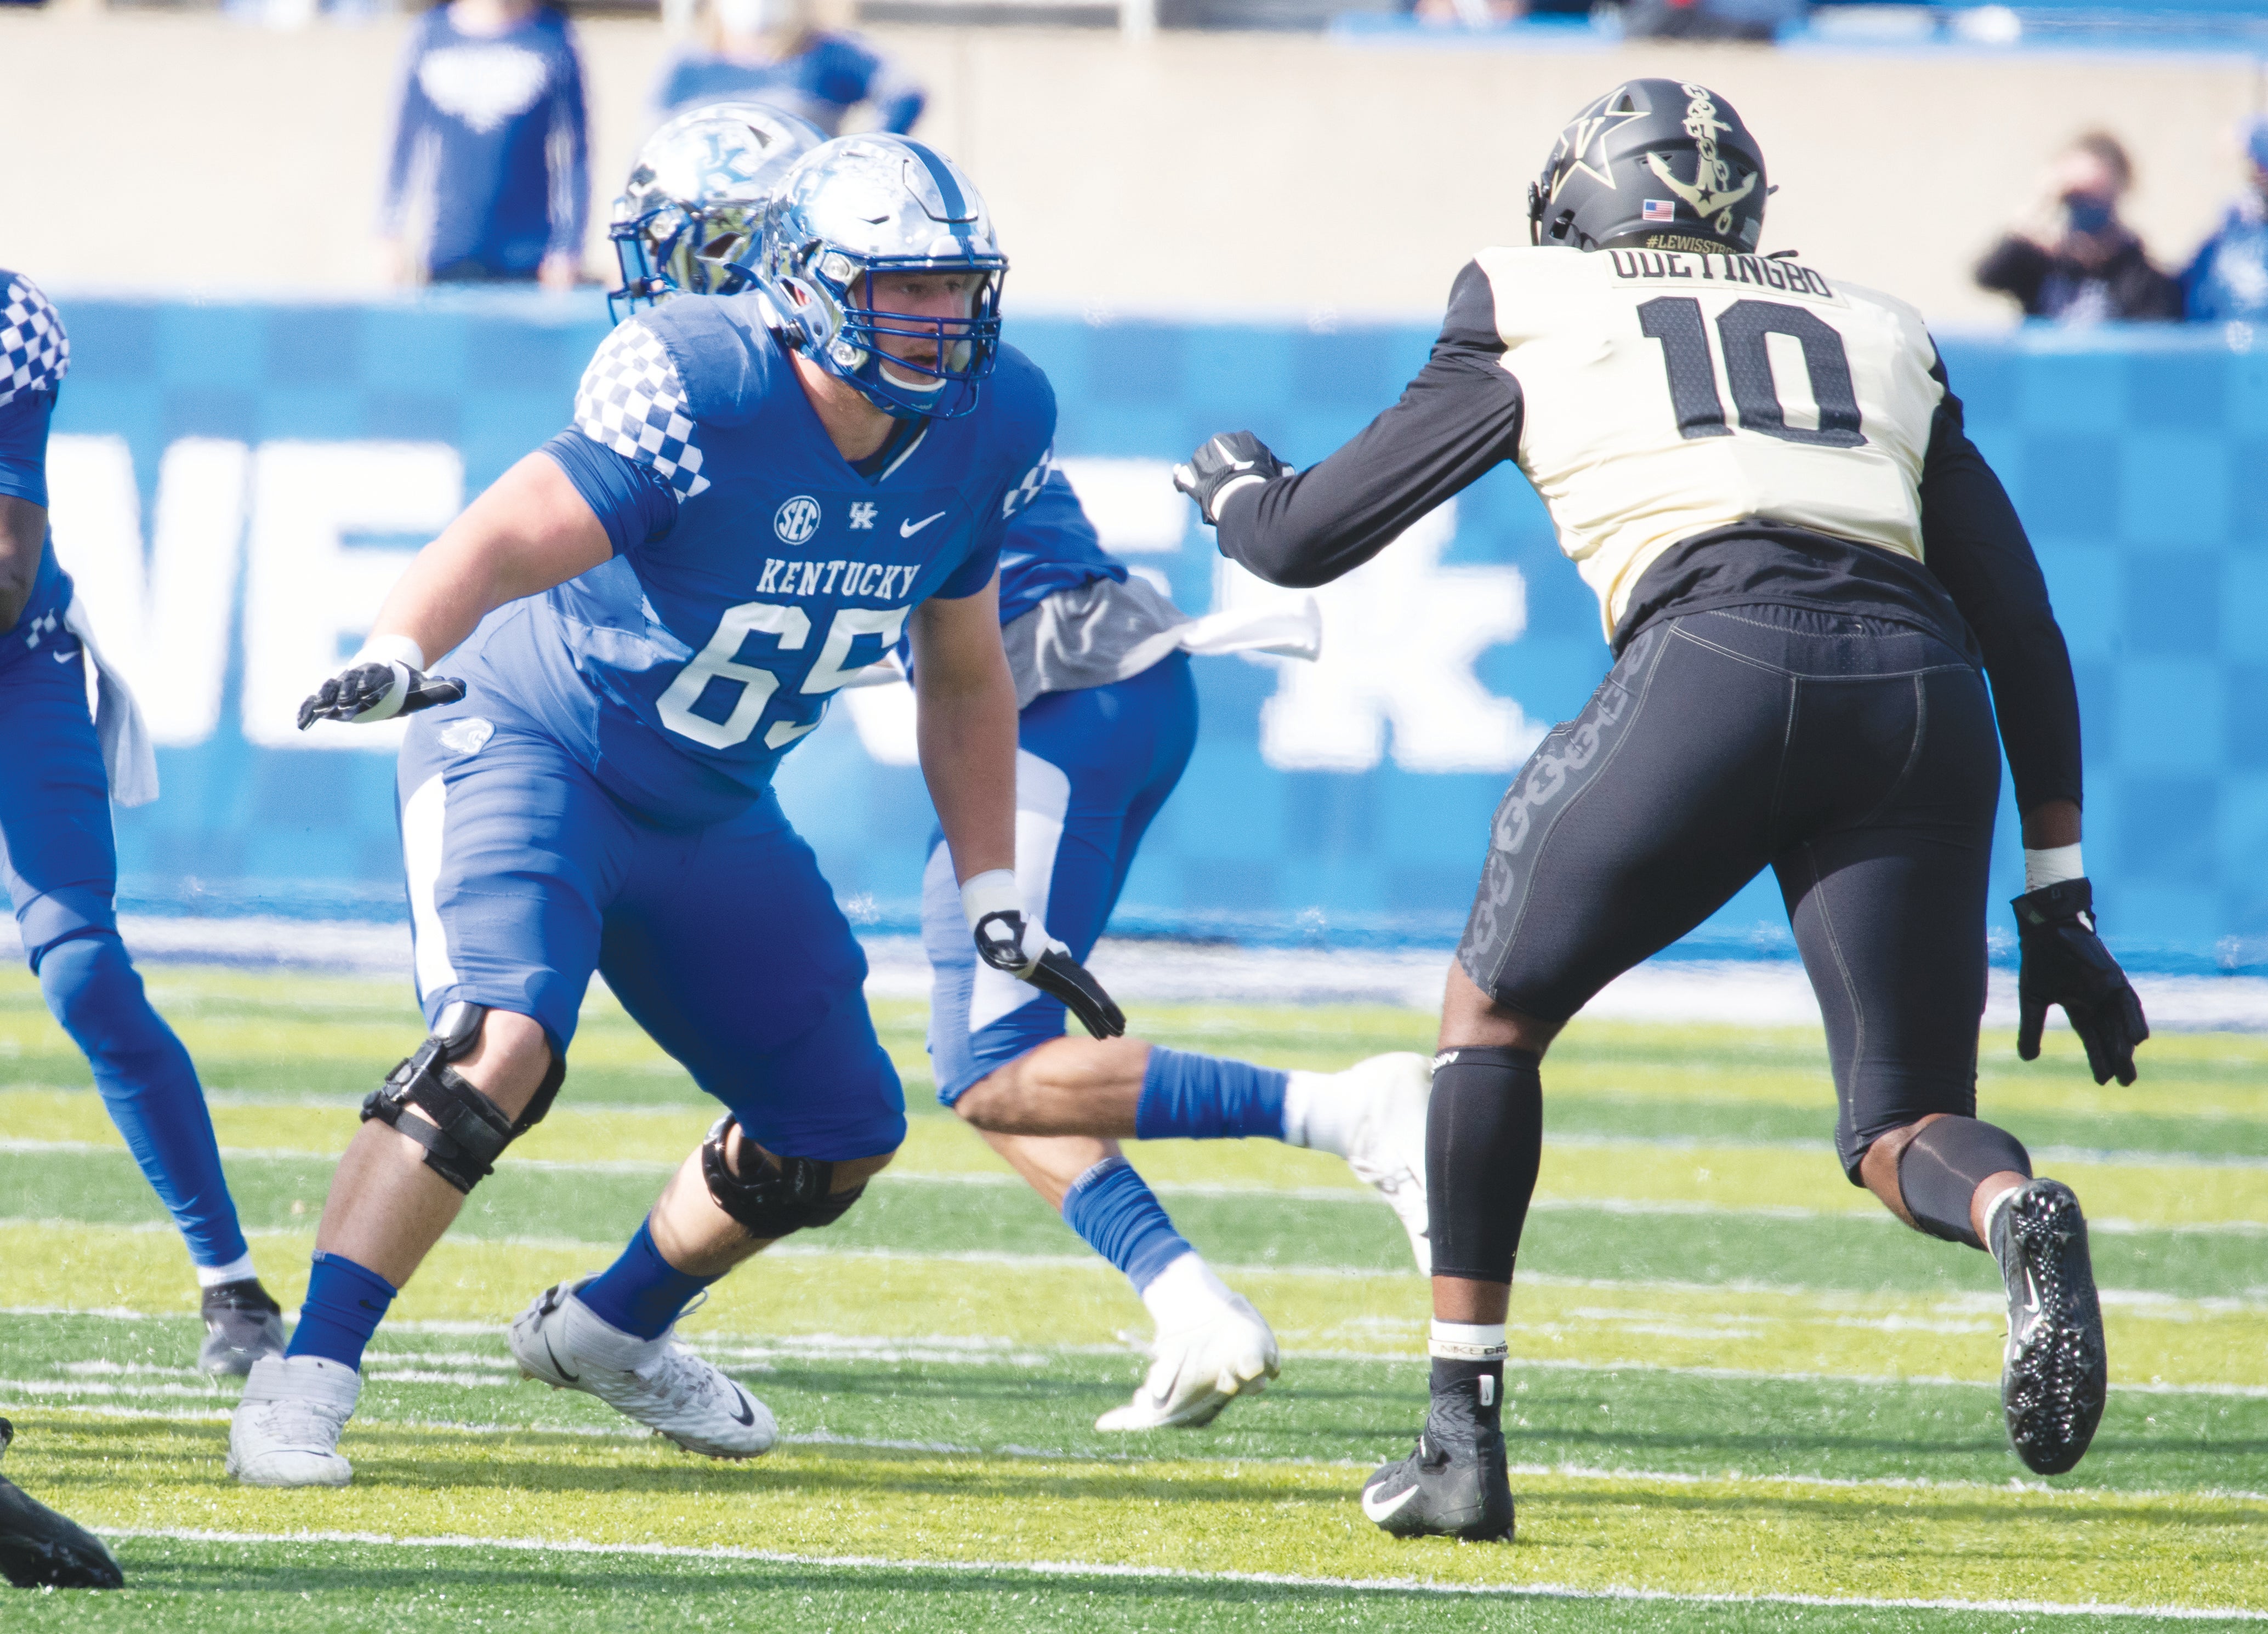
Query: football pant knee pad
(462, 1131)
(1940, 1168)
(785, 1195)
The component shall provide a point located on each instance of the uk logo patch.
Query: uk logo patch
(1659, 209)
(797, 519)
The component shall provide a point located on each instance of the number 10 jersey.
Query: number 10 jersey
(1669, 394)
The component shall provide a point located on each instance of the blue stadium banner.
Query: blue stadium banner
(236, 485)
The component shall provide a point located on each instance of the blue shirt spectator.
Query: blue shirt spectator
(2227, 279)
(489, 176)
(766, 51)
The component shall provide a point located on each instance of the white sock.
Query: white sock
(237, 1269)
(1467, 1342)
(1998, 1202)
(1320, 1115)
(1185, 1294)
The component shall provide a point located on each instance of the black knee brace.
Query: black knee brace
(1941, 1167)
(785, 1195)
(462, 1131)
(1483, 1145)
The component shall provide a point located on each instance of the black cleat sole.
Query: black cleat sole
(2056, 1373)
(40, 1549)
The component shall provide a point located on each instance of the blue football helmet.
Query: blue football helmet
(693, 206)
(871, 204)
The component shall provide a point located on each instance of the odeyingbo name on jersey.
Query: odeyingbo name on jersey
(682, 669)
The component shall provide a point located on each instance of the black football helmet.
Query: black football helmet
(1654, 164)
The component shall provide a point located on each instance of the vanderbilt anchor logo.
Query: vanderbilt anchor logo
(1710, 193)
(797, 519)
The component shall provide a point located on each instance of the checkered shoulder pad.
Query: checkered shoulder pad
(34, 351)
(632, 402)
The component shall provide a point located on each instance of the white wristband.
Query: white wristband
(2051, 864)
(992, 891)
(391, 650)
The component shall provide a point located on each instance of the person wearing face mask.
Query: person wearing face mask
(2226, 280)
(771, 51)
(2076, 261)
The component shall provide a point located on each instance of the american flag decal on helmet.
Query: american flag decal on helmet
(1659, 209)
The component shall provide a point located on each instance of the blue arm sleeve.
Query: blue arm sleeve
(633, 503)
(975, 572)
(24, 445)
(409, 120)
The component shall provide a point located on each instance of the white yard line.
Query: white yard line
(1086, 1569)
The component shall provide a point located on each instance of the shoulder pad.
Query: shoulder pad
(34, 350)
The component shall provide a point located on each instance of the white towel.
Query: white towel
(126, 754)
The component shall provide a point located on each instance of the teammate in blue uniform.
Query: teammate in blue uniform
(60, 862)
(658, 604)
(1100, 664)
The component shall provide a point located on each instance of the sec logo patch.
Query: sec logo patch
(797, 519)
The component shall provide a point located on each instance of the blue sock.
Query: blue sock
(345, 1304)
(642, 1294)
(148, 1085)
(1112, 1208)
(1193, 1097)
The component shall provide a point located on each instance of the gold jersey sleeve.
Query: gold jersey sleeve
(1667, 392)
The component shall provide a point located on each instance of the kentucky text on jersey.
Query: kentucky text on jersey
(755, 571)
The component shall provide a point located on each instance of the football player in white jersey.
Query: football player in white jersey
(1807, 572)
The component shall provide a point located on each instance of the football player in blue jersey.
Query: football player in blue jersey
(1107, 720)
(645, 615)
(60, 861)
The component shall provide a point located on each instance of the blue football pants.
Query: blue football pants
(722, 941)
(1093, 767)
(59, 861)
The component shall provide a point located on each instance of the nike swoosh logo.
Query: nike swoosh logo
(556, 1364)
(907, 530)
(747, 1414)
(1387, 1509)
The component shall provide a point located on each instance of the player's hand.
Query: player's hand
(386, 679)
(1010, 940)
(2065, 963)
(1222, 465)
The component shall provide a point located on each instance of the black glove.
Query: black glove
(40, 1549)
(2065, 963)
(1223, 464)
(373, 691)
(1009, 942)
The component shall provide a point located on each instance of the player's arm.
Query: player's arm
(1978, 549)
(532, 530)
(1456, 421)
(966, 730)
(23, 497)
(22, 531)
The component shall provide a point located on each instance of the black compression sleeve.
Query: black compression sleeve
(1458, 419)
(1975, 546)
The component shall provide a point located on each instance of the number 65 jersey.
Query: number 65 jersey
(756, 571)
(1641, 369)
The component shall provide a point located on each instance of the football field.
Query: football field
(1740, 1397)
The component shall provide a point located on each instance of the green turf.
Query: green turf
(286, 1587)
(1708, 1397)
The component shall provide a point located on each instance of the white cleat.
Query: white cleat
(561, 1341)
(285, 1432)
(1195, 1372)
(1386, 1142)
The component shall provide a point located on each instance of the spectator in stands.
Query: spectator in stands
(2076, 261)
(489, 177)
(2227, 280)
(772, 51)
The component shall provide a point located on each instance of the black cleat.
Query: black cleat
(2055, 1375)
(242, 1324)
(1455, 1484)
(40, 1549)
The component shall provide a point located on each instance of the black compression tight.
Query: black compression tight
(1483, 1143)
(1941, 1167)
